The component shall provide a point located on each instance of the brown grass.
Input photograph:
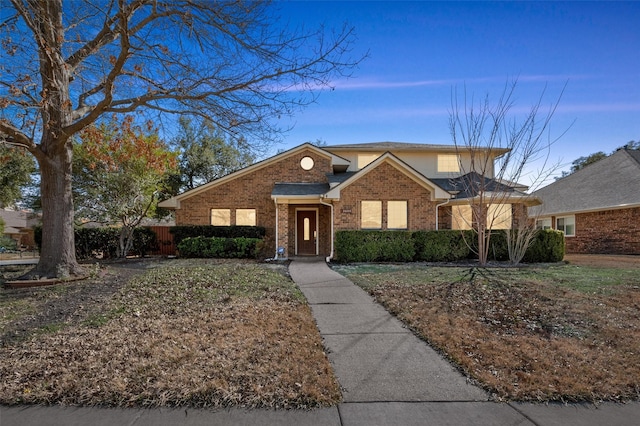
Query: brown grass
(211, 336)
(523, 334)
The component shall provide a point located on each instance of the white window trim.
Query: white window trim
(574, 225)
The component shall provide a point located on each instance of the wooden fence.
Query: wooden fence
(166, 246)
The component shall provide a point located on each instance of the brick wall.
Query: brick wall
(606, 232)
(385, 183)
(253, 191)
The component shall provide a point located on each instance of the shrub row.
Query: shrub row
(191, 231)
(438, 246)
(240, 247)
(94, 242)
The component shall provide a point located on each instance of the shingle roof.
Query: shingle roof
(299, 189)
(388, 146)
(612, 182)
(465, 189)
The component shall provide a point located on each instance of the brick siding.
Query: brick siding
(385, 183)
(606, 232)
(253, 191)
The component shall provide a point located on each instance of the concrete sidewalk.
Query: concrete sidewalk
(389, 377)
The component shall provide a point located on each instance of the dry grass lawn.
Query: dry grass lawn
(555, 333)
(201, 335)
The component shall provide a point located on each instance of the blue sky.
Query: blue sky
(420, 51)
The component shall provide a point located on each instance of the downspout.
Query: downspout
(440, 205)
(275, 257)
(328, 258)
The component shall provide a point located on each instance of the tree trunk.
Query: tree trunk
(57, 253)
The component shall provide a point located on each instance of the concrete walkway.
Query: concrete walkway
(389, 377)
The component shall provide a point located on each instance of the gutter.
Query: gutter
(328, 258)
(440, 205)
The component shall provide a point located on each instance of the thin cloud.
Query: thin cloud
(366, 84)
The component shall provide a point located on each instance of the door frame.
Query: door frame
(307, 209)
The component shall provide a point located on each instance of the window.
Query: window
(462, 217)
(306, 163)
(220, 217)
(366, 159)
(566, 224)
(371, 215)
(397, 215)
(543, 223)
(246, 217)
(500, 214)
(448, 163)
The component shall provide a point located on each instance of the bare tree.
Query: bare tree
(66, 65)
(500, 147)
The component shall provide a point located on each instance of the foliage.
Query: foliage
(70, 65)
(442, 245)
(104, 242)
(374, 246)
(206, 153)
(119, 169)
(190, 231)
(16, 166)
(215, 247)
(547, 246)
(8, 243)
(582, 162)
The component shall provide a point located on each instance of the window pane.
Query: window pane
(448, 163)
(366, 159)
(371, 215)
(543, 224)
(461, 217)
(246, 217)
(567, 225)
(307, 229)
(397, 215)
(499, 216)
(220, 217)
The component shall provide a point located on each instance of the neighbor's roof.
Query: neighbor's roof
(613, 182)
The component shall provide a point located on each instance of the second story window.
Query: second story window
(448, 163)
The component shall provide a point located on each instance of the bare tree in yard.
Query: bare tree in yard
(64, 66)
(500, 146)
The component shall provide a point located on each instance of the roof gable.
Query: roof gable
(388, 158)
(612, 182)
(174, 202)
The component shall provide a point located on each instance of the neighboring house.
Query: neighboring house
(18, 225)
(304, 195)
(597, 207)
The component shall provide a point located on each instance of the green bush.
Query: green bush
(441, 246)
(548, 246)
(215, 247)
(190, 231)
(8, 243)
(374, 246)
(94, 242)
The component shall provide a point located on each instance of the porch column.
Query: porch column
(283, 228)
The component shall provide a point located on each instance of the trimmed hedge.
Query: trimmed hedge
(215, 247)
(439, 246)
(442, 246)
(190, 231)
(374, 246)
(93, 242)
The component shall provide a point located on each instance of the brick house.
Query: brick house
(304, 195)
(597, 207)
